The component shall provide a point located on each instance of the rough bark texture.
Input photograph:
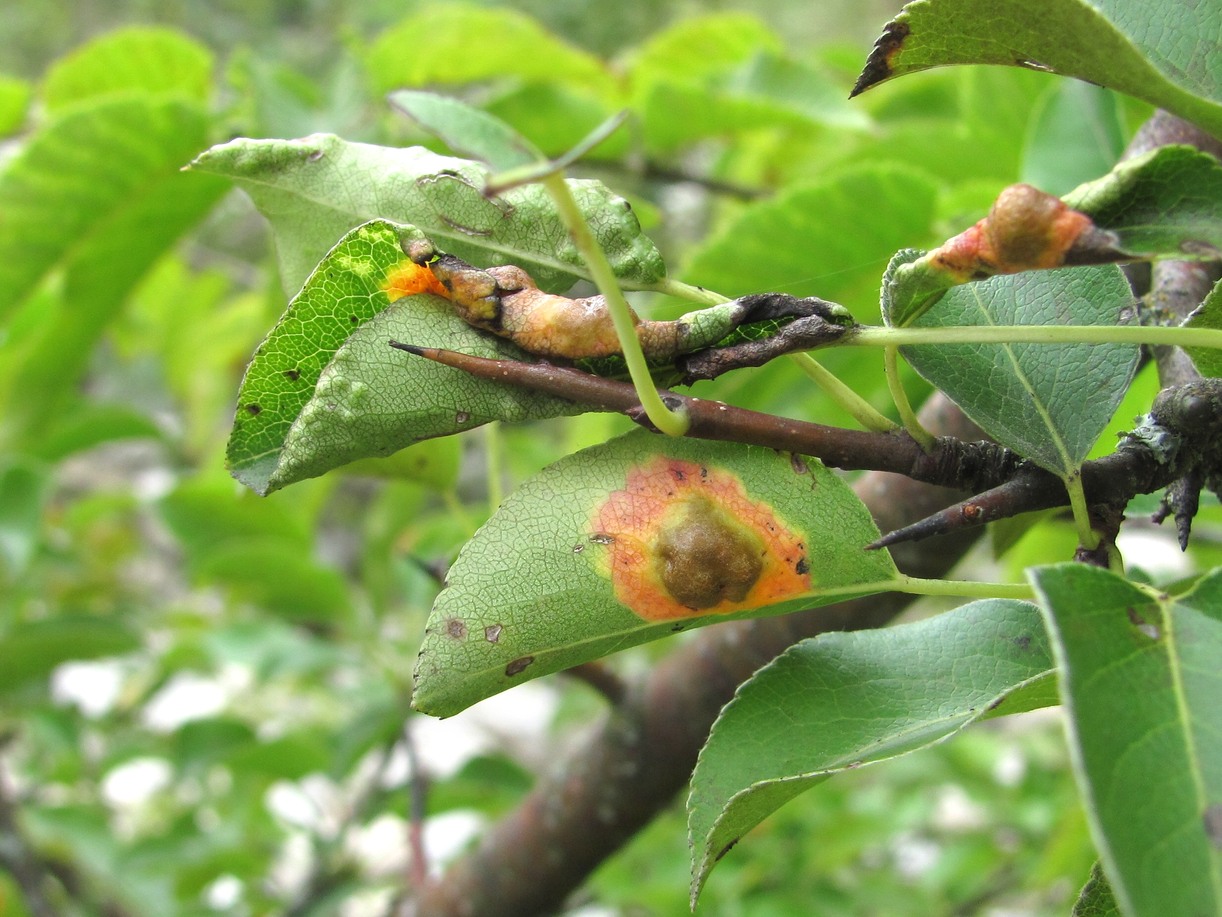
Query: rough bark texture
(642, 754)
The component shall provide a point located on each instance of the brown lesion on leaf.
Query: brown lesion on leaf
(456, 628)
(254, 409)
(880, 65)
(519, 665)
(684, 539)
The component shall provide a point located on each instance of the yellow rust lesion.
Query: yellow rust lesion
(682, 539)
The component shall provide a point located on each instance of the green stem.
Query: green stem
(915, 585)
(681, 290)
(907, 415)
(860, 409)
(673, 423)
(876, 336)
(1087, 536)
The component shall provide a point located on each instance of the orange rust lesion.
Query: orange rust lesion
(682, 539)
(408, 279)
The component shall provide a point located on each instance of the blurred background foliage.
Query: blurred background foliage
(204, 694)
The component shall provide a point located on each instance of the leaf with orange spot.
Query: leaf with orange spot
(685, 539)
(633, 540)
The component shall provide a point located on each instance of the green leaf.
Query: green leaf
(1169, 60)
(203, 513)
(1207, 315)
(1048, 402)
(15, 98)
(765, 93)
(276, 575)
(1140, 682)
(1166, 203)
(555, 118)
(1076, 135)
(668, 527)
(316, 189)
(110, 172)
(841, 700)
(140, 59)
(456, 43)
(31, 650)
(90, 167)
(801, 240)
(434, 464)
(467, 130)
(1096, 898)
(324, 388)
(24, 486)
(696, 50)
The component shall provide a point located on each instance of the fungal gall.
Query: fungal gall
(682, 539)
(1026, 229)
(704, 558)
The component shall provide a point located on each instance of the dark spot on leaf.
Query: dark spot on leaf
(254, 408)
(353, 319)
(578, 548)
(678, 474)
(315, 156)
(492, 633)
(798, 464)
(675, 628)
(726, 849)
(293, 374)
(1212, 819)
(802, 567)
(995, 703)
(518, 665)
(1150, 630)
(704, 471)
(879, 65)
(602, 538)
(461, 417)
(1023, 642)
(456, 628)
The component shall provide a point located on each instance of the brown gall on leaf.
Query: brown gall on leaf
(704, 558)
(685, 539)
(1026, 229)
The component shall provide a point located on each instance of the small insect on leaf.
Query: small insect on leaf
(684, 538)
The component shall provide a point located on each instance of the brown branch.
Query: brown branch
(951, 462)
(642, 753)
(1003, 484)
